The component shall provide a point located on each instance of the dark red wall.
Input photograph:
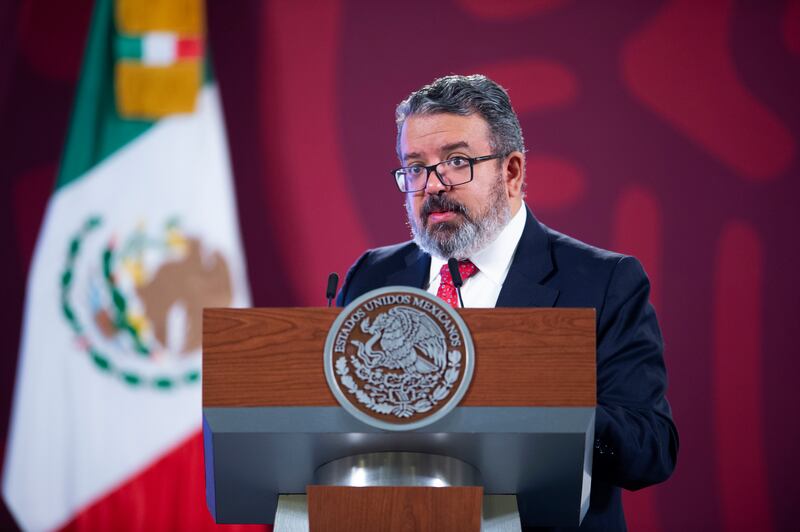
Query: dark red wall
(667, 129)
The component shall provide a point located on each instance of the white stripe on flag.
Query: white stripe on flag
(159, 48)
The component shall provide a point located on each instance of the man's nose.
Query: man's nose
(434, 185)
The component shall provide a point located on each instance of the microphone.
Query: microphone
(333, 283)
(458, 282)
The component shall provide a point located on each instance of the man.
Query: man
(463, 173)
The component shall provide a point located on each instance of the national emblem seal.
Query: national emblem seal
(398, 358)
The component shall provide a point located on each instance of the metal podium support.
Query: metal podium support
(397, 469)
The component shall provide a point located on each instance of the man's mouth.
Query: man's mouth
(441, 216)
(441, 209)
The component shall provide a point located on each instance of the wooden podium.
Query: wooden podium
(272, 426)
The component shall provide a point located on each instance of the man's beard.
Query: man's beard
(460, 239)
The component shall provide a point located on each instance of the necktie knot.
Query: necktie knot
(447, 289)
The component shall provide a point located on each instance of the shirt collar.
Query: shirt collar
(495, 259)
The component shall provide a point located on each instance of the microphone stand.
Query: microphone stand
(458, 282)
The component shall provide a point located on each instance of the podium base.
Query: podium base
(500, 514)
(404, 487)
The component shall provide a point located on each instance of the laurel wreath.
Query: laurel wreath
(99, 359)
(402, 410)
(120, 304)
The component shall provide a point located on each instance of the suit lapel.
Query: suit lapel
(415, 273)
(531, 265)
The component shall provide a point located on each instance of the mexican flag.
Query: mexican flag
(140, 234)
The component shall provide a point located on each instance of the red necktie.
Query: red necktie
(447, 289)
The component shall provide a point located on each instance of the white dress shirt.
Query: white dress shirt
(493, 262)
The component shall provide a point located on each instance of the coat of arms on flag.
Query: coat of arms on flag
(134, 301)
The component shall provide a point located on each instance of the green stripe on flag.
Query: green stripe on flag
(128, 47)
(96, 130)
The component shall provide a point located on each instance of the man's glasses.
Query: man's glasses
(452, 172)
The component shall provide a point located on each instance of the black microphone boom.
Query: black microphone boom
(458, 282)
(333, 284)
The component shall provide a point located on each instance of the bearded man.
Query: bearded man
(462, 171)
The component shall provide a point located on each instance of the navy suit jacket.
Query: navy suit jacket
(636, 442)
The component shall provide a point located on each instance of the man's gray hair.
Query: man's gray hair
(467, 95)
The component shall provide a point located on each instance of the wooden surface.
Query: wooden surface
(273, 357)
(394, 509)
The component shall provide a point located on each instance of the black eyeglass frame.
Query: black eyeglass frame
(432, 168)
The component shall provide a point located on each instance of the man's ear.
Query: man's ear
(514, 174)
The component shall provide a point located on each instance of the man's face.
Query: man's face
(454, 221)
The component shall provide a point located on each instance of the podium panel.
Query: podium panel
(526, 424)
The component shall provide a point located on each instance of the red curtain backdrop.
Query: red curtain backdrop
(664, 129)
